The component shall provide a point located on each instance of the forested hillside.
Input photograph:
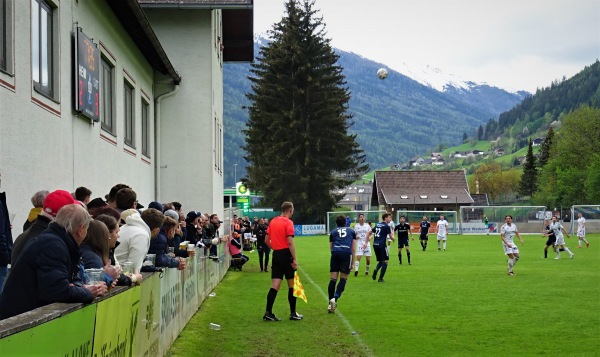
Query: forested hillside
(395, 118)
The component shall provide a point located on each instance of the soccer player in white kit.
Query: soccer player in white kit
(507, 234)
(581, 230)
(558, 230)
(442, 231)
(363, 245)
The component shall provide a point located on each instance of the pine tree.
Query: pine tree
(480, 133)
(297, 138)
(528, 184)
(465, 137)
(545, 148)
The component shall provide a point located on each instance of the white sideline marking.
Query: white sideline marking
(346, 322)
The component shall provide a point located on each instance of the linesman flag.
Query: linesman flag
(298, 288)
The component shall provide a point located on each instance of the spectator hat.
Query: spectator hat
(171, 213)
(192, 215)
(56, 200)
(156, 205)
(96, 202)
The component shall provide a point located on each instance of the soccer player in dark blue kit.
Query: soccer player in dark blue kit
(403, 230)
(382, 231)
(424, 236)
(342, 243)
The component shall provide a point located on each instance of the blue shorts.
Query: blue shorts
(340, 262)
(381, 253)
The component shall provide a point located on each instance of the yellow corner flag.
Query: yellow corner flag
(298, 288)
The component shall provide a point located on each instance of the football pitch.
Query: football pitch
(457, 302)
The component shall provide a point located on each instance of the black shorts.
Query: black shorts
(381, 252)
(340, 262)
(402, 242)
(551, 240)
(282, 265)
(423, 237)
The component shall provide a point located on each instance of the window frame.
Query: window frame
(145, 118)
(49, 90)
(129, 114)
(3, 35)
(104, 98)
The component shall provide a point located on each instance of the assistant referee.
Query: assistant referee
(280, 238)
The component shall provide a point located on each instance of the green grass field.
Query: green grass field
(459, 302)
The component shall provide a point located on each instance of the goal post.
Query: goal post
(591, 213)
(414, 219)
(370, 216)
(528, 219)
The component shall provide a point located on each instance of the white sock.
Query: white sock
(568, 250)
(579, 242)
(368, 266)
(444, 245)
(515, 260)
(557, 250)
(585, 240)
(438, 244)
(356, 265)
(511, 263)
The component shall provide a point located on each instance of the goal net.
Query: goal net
(529, 219)
(591, 213)
(414, 219)
(370, 216)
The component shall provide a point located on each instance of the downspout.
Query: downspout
(157, 143)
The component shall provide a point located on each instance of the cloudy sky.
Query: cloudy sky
(516, 44)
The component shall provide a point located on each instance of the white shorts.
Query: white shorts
(359, 251)
(560, 240)
(513, 250)
(581, 233)
(441, 237)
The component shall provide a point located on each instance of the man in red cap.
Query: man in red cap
(52, 204)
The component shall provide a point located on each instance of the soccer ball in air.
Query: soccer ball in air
(382, 73)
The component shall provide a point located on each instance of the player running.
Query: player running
(581, 230)
(442, 231)
(363, 246)
(558, 230)
(403, 230)
(551, 237)
(382, 232)
(342, 244)
(507, 233)
(424, 235)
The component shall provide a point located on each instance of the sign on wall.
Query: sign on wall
(87, 84)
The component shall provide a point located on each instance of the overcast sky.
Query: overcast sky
(517, 44)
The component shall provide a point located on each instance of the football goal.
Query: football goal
(370, 216)
(414, 219)
(591, 213)
(529, 219)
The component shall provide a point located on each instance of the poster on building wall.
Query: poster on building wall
(75, 331)
(87, 83)
(116, 324)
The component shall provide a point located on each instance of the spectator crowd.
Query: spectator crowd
(74, 249)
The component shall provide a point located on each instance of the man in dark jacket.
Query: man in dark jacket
(47, 270)
(6, 241)
(52, 204)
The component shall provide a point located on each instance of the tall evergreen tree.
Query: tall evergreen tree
(545, 148)
(528, 183)
(297, 138)
(480, 133)
(465, 137)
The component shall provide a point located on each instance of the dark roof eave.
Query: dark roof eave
(146, 39)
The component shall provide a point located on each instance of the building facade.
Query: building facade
(150, 116)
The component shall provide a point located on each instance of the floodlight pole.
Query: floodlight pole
(234, 174)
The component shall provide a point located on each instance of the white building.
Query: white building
(152, 78)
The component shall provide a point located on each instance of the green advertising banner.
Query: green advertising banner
(170, 307)
(70, 335)
(148, 324)
(116, 324)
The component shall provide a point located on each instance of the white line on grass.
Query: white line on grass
(346, 322)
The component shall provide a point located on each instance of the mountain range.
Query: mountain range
(394, 119)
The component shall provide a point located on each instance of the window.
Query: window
(145, 129)
(42, 44)
(129, 115)
(106, 96)
(404, 197)
(423, 196)
(3, 34)
(445, 197)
